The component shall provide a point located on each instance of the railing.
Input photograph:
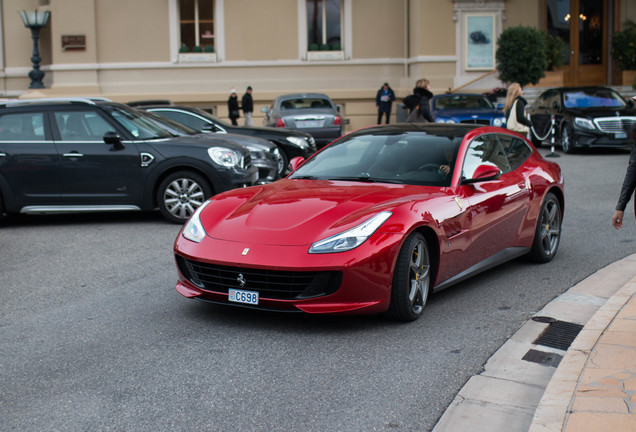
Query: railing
(487, 74)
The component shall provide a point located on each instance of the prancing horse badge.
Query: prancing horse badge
(246, 250)
(457, 200)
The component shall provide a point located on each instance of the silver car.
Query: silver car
(313, 113)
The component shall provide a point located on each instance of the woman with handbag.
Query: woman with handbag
(629, 184)
(515, 110)
(233, 107)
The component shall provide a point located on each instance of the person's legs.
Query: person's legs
(379, 117)
(248, 119)
(388, 116)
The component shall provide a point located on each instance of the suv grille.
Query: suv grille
(272, 284)
(615, 124)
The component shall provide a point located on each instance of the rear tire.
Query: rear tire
(180, 194)
(547, 235)
(411, 280)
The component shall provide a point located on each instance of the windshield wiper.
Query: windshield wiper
(305, 177)
(366, 179)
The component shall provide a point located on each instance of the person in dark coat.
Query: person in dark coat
(629, 184)
(383, 101)
(421, 111)
(248, 106)
(233, 107)
(422, 88)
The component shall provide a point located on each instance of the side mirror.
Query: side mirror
(264, 110)
(483, 173)
(296, 162)
(556, 106)
(112, 138)
(500, 107)
(210, 128)
(630, 103)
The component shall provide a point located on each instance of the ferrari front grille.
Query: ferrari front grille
(271, 284)
(615, 124)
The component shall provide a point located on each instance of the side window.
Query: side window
(22, 127)
(484, 150)
(81, 125)
(517, 151)
(183, 118)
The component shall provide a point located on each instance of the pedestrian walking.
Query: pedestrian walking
(515, 110)
(421, 97)
(233, 107)
(629, 183)
(247, 104)
(383, 102)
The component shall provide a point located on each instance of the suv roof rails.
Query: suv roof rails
(86, 100)
(149, 102)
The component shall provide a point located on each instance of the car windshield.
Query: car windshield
(161, 120)
(139, 126)
(461, 102)
(304, 103)
(415, 158)
(592, 97)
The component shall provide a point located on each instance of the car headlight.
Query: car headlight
(300, 142)
(440, 120)
(193, 230)
(352, 238)
(498, 121)
(584, 123)
(224, 156)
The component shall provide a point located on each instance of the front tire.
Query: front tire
(411, 280)
(547, 235)
(180, 194)
(567, 139)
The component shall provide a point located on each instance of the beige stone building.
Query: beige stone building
(194, 51)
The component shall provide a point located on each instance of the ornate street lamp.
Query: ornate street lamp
(35, 21)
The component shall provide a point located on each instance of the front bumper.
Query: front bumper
(353, 282)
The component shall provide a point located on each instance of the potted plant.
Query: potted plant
(624, 51)
(521, 55)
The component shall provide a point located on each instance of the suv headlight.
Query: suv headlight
(584, 123)
(498, 121)
(224, 156)
(352, 238)
(193, 229)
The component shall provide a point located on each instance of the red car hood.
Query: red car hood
(300, 212)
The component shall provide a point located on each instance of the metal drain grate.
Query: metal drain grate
(544, 358)
(559, 335)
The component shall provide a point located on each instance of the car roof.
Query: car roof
(302, 96)
(443, 129)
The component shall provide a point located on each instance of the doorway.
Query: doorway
(582, 26)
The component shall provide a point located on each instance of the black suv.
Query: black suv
(291, 143)
(85, 155)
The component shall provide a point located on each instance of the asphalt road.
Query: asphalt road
(94, 337)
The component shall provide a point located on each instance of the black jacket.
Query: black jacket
(384, 106)
(521, 111)
(233, 107)
(423, 113)
(247, 103)
(629, 184)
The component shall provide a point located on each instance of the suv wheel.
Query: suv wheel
(180, 194)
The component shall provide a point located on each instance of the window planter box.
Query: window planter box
(197, 58)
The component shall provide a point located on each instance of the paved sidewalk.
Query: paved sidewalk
(588, 386)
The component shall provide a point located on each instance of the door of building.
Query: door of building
(582, 25)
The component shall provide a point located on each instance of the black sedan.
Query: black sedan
(291, 143)
(584, 117)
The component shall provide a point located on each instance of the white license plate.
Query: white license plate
(308, 123)
(240, 296)
(620, 135)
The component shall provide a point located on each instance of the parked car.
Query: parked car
(466, 108)
(265, 154)
(584, 117)
(291, 143)
(375, 222)
(82, 155)
(313, 113)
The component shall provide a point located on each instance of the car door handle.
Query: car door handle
(73, 155)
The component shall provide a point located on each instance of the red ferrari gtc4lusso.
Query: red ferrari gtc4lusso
(375, 222)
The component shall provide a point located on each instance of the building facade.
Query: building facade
(194, 51)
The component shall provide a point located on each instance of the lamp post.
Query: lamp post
(35, 21)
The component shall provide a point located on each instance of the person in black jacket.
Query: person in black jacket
(248, 106)
(515, 110)
(383, 101)
(629, 184)
(233, 107)
(421, 111)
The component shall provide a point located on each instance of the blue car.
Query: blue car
(466, 108)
